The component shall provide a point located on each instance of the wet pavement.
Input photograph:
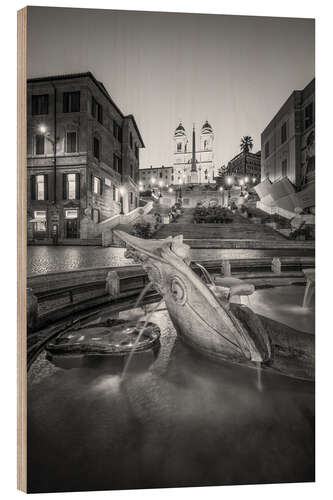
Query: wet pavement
(46, 259)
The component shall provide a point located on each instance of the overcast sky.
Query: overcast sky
(233, 71)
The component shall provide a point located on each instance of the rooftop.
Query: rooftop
(99, 84)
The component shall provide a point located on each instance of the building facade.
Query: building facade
(288, 141)
(183, 156)
(245, 167)
(82, 157)
(155, 177)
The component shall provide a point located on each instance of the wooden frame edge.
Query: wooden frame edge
(21, 250)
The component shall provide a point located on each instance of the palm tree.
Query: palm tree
(246, 144)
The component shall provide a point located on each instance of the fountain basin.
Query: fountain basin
(113, 337)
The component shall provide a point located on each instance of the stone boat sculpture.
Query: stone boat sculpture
(206, 320)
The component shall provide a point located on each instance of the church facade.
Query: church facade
(193, 162)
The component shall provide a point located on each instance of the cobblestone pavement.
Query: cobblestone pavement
(46, 259)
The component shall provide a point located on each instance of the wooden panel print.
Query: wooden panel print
(166, 250)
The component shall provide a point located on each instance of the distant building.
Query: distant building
(245, 166)
(81, 150)
(197, 168)
(155, 177)
(288, 150)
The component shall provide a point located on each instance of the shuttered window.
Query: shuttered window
(40, 104)
(71, 186)
(71, 142)
(96, 148)
(71, 102)
(96, 110)
(39, 187)
(98, 185)
(284, 133)
(40, 144)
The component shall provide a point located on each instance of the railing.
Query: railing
(115, 220)
(287, 214)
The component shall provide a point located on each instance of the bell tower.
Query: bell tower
(206, 153)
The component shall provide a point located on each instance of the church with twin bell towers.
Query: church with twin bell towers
(193, 163)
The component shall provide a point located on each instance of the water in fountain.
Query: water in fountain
(308, 294)
(259, 382)
(143, 292)
(137, 340)
(205, 273)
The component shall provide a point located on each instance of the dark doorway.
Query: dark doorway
(72, 229)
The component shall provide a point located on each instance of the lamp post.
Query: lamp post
(43, 130)
(122, 192)
(229, 182)
(241, 183)
(160, 184)
(221, 191)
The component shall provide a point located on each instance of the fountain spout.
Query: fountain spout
(200, 317)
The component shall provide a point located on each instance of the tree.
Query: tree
(246, 144)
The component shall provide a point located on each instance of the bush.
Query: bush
(142, 230)
(212, 215)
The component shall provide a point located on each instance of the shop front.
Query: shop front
(71, 223)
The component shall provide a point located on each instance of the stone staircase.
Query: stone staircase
(246, 231)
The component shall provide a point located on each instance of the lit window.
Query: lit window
(71, 186)
(40, 187)
(40, 218)
(97, 185)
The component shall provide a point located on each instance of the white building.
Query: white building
(183, 161)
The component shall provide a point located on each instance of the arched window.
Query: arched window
(179, 146)
(205, 144)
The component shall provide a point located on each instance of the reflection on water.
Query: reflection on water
(181, 421)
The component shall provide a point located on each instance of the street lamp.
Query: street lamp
(241, 183)
(42, 129)
(229, 182)
(221, 191)
(160, 184)
(122, 191)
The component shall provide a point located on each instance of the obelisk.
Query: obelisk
(194, 172)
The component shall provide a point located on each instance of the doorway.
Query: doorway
(71, 224)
